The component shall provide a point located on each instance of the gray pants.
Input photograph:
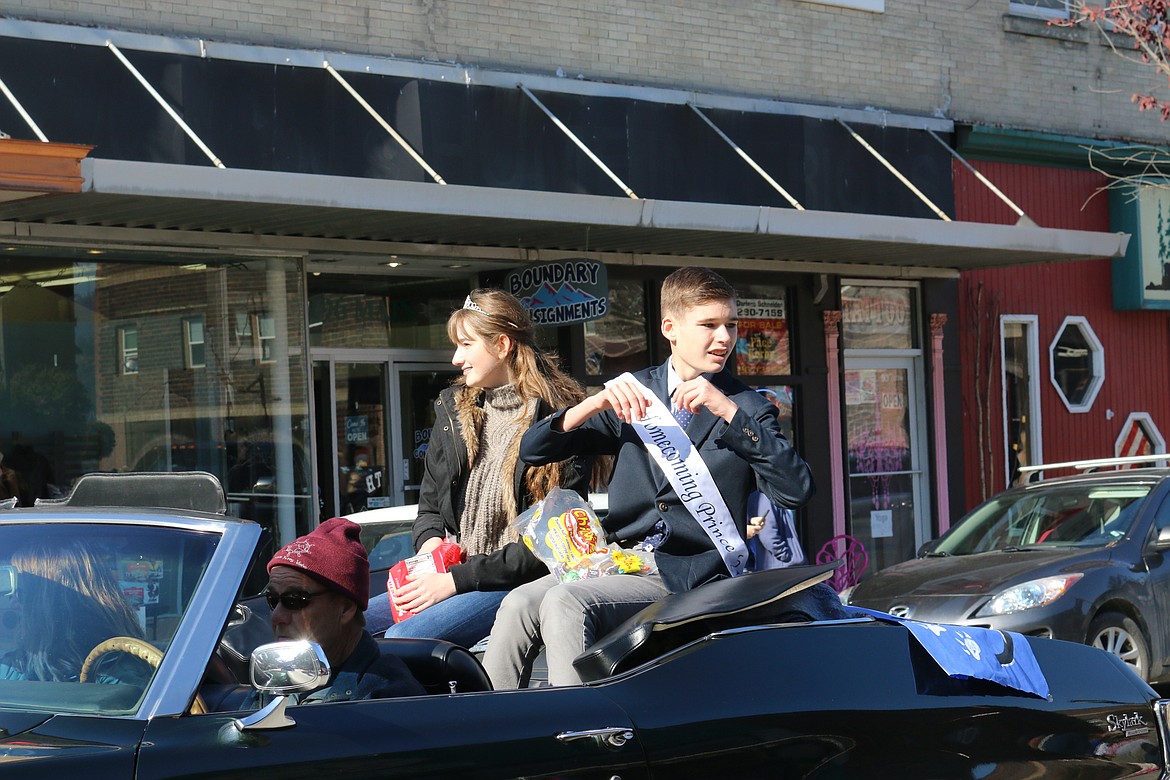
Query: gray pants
(567, 618)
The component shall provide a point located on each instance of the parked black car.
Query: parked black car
(1081, 558)
(706, 684)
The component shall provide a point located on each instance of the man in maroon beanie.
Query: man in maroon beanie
(318, 589)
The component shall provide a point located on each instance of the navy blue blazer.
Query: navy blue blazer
(747, 454)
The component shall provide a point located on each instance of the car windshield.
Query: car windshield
(1069, 514)
(67, 590)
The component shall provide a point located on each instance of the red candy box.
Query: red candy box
(438, 560)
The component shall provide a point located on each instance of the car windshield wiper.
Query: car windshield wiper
(1014, 548)
(937, 554)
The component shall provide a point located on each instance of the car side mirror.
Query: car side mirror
(926, 548)
(1162, 542)
(8, 580)
(297, 666)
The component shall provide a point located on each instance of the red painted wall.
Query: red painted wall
(1136, 344)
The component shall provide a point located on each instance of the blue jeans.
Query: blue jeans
(464, 619)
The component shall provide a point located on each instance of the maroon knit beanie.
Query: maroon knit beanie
(333, 553)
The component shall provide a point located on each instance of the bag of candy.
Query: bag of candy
(564, 532)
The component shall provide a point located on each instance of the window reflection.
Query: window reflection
(881, 463)
(128, 336)
(782, 397)
(66, 589)
(1073, 364)
(878, 317)
(617, 342)
(193, 333)
(382, 312)
(157, 366)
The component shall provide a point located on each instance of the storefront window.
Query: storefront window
(878, 317)
(762, 348)
(618, 341)
(763, 351)
(376, 312)
(145, 366)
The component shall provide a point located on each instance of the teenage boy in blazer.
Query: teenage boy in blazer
(737, 436)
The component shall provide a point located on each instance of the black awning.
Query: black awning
(310, 169)
(211, 208)
(271, 117)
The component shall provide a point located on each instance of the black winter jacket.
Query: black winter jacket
(368, 674)
(444, 474)
(747, 454)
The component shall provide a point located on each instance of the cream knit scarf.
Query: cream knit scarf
(489, 500)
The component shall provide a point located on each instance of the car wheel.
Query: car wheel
(1115, 633)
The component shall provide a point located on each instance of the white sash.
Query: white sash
(679, 460)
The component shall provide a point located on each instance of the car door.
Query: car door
(1157, 590)
(852, 699)
(35, 746)
(527, 733)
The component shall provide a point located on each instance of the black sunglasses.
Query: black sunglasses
(292, 600)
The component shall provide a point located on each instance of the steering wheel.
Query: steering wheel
(139, 649)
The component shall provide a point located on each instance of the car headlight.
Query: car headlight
(1027, 595)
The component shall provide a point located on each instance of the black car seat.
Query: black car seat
(674, 620)
(441, 667)
(221, 690)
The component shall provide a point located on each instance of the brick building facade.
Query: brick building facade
(745, 135)
(981, 63)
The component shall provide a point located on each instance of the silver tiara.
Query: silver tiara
(470, 304)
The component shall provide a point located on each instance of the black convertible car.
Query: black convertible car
(142, 679)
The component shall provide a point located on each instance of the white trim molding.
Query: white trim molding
(1044, 10)
(1144, 422)
(874, 6)
(1097, 354)
(1031, 323)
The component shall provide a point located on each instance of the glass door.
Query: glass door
(416, 386)
(372, 421)
(888, 506)
(352, 429)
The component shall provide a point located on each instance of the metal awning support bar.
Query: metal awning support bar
(890, 167)
(20, 110)
(165, 105)
(580, 144)
(764, 174)
(1024, 218)
(385, 125)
